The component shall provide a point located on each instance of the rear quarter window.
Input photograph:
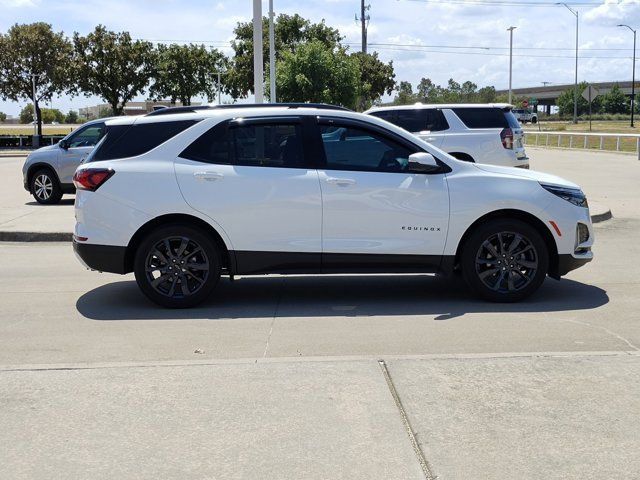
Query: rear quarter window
(123, 141)
(482, 117)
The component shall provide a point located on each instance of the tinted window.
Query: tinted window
(86, 137)
(277, 144)
(124, 141)
(363, 150)
(482, 117)
(417, 120)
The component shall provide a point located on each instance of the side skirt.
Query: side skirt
(252, 263)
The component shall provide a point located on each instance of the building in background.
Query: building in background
(130, 108)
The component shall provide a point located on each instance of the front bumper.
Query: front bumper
(103, 258)
(568, 262)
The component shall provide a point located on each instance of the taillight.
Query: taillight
(91, 178)
(506, 135)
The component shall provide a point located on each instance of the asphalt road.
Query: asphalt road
(281, 377)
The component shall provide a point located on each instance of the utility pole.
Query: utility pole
(575, 85)
(35, 143)
(364, 21)
(510, 30)
(272, 56)
(258, 74)
(633, 74)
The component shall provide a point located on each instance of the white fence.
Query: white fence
(623, 142)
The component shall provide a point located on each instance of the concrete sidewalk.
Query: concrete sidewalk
(525, 417)
(22, 219)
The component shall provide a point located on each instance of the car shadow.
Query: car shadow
(345, 295)
(63, 202)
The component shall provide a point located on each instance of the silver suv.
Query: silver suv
(48, 172)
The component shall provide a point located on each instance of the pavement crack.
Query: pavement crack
(424, 464)
(273, 320)
(605, 329)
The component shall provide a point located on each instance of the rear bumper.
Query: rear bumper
(103, 258)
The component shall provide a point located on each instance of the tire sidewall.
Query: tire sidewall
(482, 233)
(176, 230)
(56, 192)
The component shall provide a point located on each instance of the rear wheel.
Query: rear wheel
(45, 187)
(177, 266)
(505, 260)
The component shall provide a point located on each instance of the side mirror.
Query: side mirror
(423, 162)
(63, 144)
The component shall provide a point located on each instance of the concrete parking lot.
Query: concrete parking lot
(350, 376)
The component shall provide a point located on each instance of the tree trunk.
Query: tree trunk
(115, 109)
(37, 116)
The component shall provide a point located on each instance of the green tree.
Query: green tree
(71, 117)
(26, 114)
(405, 94)
(112, 65)
(184, 71)
(31, 52)
(105, 112)
(487, 95)
(376, 78)
(3, 116)
(429, 92)
(290, 31)
(317, 73)
(565, 101)
(615, 101)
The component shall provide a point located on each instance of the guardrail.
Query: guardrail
(618, 142)
(26, 141)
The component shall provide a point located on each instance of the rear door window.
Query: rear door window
(275, 143)
(489, 117)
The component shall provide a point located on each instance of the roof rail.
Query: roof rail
(193, 109)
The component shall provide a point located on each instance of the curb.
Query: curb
(35, 237)
(601, 217)
(68, 237)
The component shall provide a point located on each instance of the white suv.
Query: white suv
(480, 133)
(182, 198)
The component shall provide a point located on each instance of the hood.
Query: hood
(46, 149)
(540, 177)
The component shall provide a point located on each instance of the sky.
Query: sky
(438, 39)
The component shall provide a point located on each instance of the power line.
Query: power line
(510, 3)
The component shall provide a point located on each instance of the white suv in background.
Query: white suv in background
(480, 133)
(182, 196)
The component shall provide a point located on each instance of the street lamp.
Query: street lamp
(633, 75)
(510, 30)
(575, 85)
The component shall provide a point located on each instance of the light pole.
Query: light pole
(258, 76)
(575, 85)
(633, 74)
(35, 143)
(272, 56)
(510, 30)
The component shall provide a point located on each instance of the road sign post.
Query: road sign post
(589, 94)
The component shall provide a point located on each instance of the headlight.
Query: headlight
(573, 195)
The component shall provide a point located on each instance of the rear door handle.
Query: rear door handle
(208, 176)
(341, 181)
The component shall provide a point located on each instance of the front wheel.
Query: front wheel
(505, 260)
(45, 187)
(177, 266)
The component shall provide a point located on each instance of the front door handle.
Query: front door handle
(341, 181)
(208, 176)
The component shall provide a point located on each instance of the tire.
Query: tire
(534, 121)
(164, 279)
(45, 188)
(490, 246)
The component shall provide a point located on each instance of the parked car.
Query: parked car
(480, 133)
(182, 196)
(48, 172)
(525, 115)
